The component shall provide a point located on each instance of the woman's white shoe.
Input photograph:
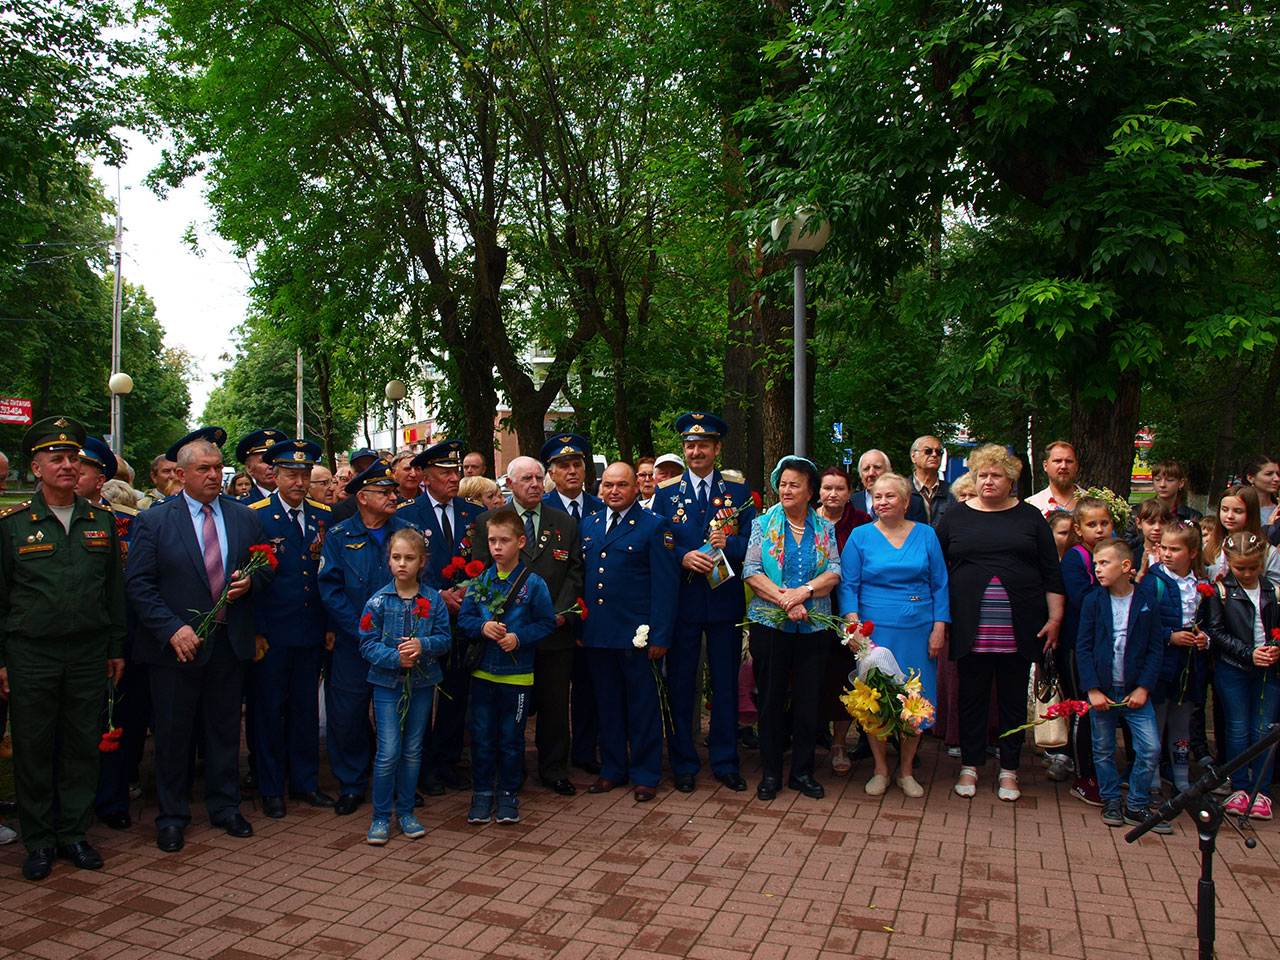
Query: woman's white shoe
(876, 786)
(967, 782)
(911, 787)
(1007, 786)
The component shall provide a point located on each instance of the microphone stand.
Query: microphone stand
(1205, 809)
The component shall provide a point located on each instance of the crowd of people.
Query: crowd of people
(434, 608)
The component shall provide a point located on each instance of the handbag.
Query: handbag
(474, 652)
(1046, 690)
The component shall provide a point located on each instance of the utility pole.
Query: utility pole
(117, 401)
(297, 383)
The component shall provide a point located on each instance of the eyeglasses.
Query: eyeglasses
(323, 483)
(931, 451)
(645, 476)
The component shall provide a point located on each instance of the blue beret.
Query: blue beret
(215, 435)
(97, 453)
(565, 445)
(377, 474)
(701, 426)
(292, 454)
(446, 453)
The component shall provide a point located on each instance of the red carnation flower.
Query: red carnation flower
(1275, 635)
(475, 568)
(366, 622)
(422, 607)
(106, 745)
(582, 608)
(867, 628)
(268, 551)
(1204, 589)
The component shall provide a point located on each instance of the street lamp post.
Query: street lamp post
(120, 385)
(805, 234)
(395, 392)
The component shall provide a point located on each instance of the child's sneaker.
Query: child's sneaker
(412, 827)
(1261, 808)
(1135, 817)
(481, 808)
(1237, 803)
(1113, 813)
(1086, 789)
(379, 832)
(508, 808)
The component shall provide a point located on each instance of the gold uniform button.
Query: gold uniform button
(599, 586)
(602, 569)
(599, 600)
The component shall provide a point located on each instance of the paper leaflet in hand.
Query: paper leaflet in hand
(721, 571)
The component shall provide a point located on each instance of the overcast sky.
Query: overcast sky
(199, 298)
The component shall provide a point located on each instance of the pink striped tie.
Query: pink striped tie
(212, 554)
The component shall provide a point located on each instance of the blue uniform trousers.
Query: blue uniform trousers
(286, 736)
(442, 749)
(630, 725)
(584, 718)
(724, 653)
(348, 734)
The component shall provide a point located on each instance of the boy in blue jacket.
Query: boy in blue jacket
(510, 608)
(1119, 648)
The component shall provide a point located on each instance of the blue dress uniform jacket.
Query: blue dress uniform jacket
(353, 567)
(703, 610)
(420, 513)
(590, 504)
(285, 731)
(632, 578)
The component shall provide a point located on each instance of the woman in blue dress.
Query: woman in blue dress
(893, 574)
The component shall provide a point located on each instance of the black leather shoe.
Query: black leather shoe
(347, 804)
(236, 825)
(82, 855)
(250, 782)
(316, 798)
(685, 782)
(169, 839)
(733, 781)
(808, 786)
(116, 821)
(561, 786)
(273, 807)
(604, 786)
(39, 863)
(588, 766)
(768, 789)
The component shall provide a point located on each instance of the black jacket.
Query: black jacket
(1229, 622)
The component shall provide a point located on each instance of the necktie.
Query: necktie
(702, 496)
(293, 516)
(613, 522)
(529, 532)
(573, 509)
(212, 554)
(444, 524)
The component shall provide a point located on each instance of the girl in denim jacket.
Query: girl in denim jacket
(404, 629)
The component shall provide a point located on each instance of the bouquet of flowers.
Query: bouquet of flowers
(1063, 708)
(884, 704)
(1117, 506)
(110, 741)
(260, 555)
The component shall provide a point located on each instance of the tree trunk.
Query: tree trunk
(1103, 433)
(320, 363)
(1270, 431)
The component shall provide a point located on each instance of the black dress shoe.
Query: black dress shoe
(116, 821)
(82, 855)
(685, 782)
(645, 794)
(768, 789)
(250, 781)
(604, 786)
(561, 786)
(316, 798)
(39, 863)
(733, 781)
(169, 839)
(236, 825)
(588, 766)
(807, 785)
(347, 803)
(273, 807)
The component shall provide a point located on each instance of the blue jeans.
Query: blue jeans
(399, 756)
(1250, 702)
(498, 714)
(1145, 738)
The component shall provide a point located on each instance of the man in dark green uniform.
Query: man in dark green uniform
(61, 639)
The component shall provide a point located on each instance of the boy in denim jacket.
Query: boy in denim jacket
(1119, 649)
(502, 683)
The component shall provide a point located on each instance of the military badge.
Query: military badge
(560, 555)
(668, 539)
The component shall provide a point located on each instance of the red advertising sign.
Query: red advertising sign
(15, 410)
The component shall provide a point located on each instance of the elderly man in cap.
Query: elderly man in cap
(359, 461)
(290, 619)
(186, 555)
(667, 468)
(61, 640)
(249, 451)
(445, 519)
(709, 517)
(353, 567)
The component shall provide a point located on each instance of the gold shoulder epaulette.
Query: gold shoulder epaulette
(406, 503)
(16, 508)
(670, 480)
(260, 504)
(121, 508)
(318, 505)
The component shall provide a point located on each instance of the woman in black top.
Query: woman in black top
(1006, 607)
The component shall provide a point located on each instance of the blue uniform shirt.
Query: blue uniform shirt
(589, 504)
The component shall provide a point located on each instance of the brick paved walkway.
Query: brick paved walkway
(715, 875)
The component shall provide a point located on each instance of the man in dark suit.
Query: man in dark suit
(554, 552)
(184, 553)
(290, 620)
(445, 520)
(565, 456)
